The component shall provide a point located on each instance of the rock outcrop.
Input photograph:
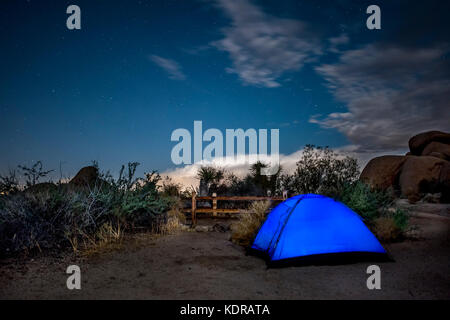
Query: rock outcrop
(420, 175)
(383, 172)
(418, 143)
(424, 170)
(87, 176)
(438, 150)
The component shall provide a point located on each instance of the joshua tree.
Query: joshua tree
(264, 184)
(210, 177)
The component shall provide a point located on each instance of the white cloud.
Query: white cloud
(172, 68)
(263, 47)
(391, 93)
(240, 166)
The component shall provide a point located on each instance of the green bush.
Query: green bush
(366, 202)
(374, 207)
(323, 171)
(401, 219)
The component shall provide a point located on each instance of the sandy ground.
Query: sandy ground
(206, 265)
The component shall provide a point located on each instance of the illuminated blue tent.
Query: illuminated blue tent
(313, 229)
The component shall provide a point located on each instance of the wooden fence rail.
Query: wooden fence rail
(214, 210)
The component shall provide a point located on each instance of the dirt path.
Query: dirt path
(205, 265)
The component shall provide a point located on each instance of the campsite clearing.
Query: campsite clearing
(206, 265)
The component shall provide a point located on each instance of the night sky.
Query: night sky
(137, 70)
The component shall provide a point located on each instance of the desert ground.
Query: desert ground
(206, 265)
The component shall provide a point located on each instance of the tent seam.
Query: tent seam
(284, 225)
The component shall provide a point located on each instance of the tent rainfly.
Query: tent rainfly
(314, 229)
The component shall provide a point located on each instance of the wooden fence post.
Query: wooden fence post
(214, 204)
(213, 209)
(194, 209)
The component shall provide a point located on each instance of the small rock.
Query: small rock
(432, 198)
(184, 227)
(220, 228)
(202, 229)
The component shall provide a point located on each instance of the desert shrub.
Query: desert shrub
(175, 218)
(374, 206)
(391, 226)
(323, 171)
(386, 229)
(170, 188)
(34, 173)
(142, 205)
(108, 236)
(241, 186)
(362, 199)
(83, 216)
(244, 230)
(9, 183)
(29, 221)
(401, 219)
(134, 202)
(285, 182)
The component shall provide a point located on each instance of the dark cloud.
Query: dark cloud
(392, 92)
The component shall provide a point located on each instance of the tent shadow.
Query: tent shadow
(327, 259)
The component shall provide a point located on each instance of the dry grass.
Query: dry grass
(108, 237)
(244, 230)
(175, 220)
(387, 229)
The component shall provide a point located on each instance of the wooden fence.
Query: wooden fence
(214, 210)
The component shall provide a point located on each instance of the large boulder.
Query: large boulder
(437, 149)
(87, 176)
(383, 172)
(418, 143)
(420, 175)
